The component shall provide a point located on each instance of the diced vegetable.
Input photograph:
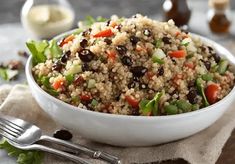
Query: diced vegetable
(171, 109)
(158, 56)
(207, 77)
(91, 83)
(94, 102)
(177, 54)
(104, 33)
(44, 80)
(132, 101)
(111, 55)
(211, 93)
(223, 65)
(158, 43)
(74, 69)
(189, 65)
(85, 97)
(184, 105)
(66, 40)
(195, 107)
(69, 78)
(200, 89)
(150, 75)
(185, 42)
(58, 84)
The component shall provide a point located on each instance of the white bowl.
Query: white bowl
(122, 130)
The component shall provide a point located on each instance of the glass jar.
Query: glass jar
(219, 16)
(177, 10)
(43, 19)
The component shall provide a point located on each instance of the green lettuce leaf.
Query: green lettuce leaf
(23, 156)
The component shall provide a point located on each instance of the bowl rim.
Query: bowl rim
(230, 95)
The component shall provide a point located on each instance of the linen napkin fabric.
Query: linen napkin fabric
(201, 148)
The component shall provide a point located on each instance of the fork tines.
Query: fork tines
(9, 130)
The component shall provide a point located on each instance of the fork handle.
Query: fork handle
(92, 153)
(69, 156)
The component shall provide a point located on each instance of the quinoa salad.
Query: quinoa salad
(131, 66)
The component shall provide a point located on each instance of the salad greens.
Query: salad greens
(41, 49)
(23, 156)
(200, 89)
(150, 106)
(90, 20)
(3, 73)
(44, 80)
(8, 74)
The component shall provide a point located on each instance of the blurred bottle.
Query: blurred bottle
(44, 19)
(177, 10)
(219, 16)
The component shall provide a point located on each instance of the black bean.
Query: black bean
(192, 96)
(86, 32)
(131, 84)
(119, 27)
(183, 30)
(108, 41)
(108, 22)
(191, 83)
(65, 57)
(216, 57)
(121, 49)
(134, 40)
(86, 55)
(139, 71)
(134, 16)
(210, 49)
(143, 86)
(207, 65)
(85, 67)
(135, 112)
(166, 40)
(83, 43)
(63, 134)
(137, 79)
(203, 48)
(147, 32)
(57, 66)
(160, 71)
(118, 95)
(126, 60)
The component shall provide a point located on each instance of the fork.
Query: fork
(24, 133)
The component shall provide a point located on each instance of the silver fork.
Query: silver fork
(25, 133)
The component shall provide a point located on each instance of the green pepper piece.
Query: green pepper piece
(157, 60)
(195, 107)
(158, 43)
(201, 91)
(171, 109)
(184, 105)
(223, 65)
(207, 77)
(69, 78)
(94, 102)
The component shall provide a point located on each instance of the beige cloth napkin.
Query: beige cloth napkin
(202, 148)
